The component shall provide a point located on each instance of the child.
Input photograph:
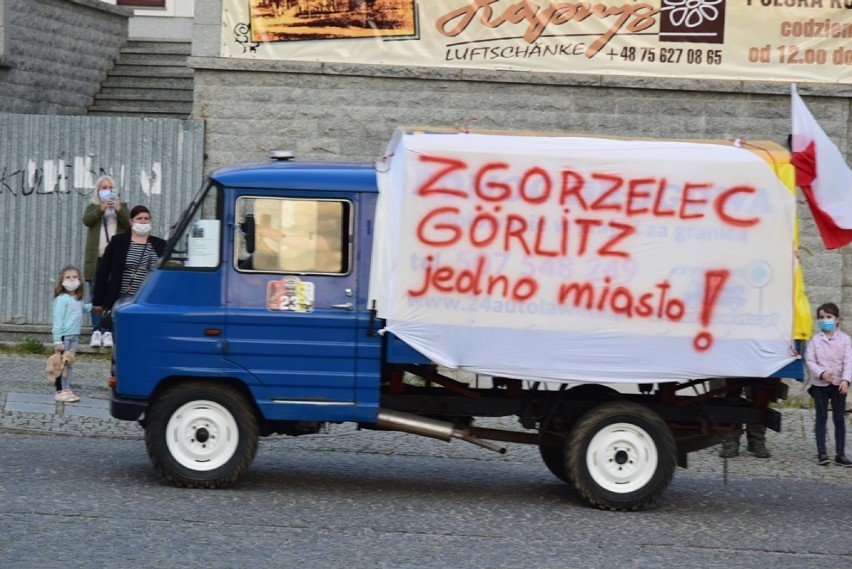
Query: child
(829, 359)
(68, 310)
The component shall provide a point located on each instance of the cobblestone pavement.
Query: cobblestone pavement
(27, 406)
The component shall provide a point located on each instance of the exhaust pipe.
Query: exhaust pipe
(424, 426)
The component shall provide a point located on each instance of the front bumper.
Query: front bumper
(126, 409)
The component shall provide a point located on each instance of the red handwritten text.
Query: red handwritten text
(568, 188)
(621, 300)
(441, 227)
(447, 279)
(714, 282)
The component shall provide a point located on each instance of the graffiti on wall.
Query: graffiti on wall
(76, 174)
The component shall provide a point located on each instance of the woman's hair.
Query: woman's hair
(95, 198)
(829, 308)
(59, 289)
(139, 209)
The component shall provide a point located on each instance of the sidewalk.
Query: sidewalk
(27, 403)
(39, 413)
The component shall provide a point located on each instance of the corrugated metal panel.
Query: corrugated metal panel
(48, 166)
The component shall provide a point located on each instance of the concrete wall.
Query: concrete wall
(56, 53)
(325, 111)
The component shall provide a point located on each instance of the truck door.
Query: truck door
(291, 303)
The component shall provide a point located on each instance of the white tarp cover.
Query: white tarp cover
(582, 259)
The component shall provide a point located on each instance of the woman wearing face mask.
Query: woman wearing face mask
(829, 359)
(105, 218)
(127, 260)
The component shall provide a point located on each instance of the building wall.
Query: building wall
(173, 22)
(56, 53)
(325, 111)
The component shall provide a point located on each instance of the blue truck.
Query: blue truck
(259, 321)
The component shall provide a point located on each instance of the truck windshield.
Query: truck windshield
(195, 241)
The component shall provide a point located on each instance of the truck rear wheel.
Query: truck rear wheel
(620, 456)
(200, 435)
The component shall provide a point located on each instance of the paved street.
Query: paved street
(26, 402)
(77, 490)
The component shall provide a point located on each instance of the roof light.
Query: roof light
(282, 155)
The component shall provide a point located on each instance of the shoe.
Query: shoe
(730, 449)
(107, 340)
(842, 461)
(759, 451)
(72, 397)
(96, 341)
(823, 460)
(66, 396)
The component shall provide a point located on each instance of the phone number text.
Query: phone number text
(689, 56)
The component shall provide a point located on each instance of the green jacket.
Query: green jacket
(93, 219)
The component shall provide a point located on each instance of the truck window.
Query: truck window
(197, 241)
(286, 235)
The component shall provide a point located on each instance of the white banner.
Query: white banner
(753, 40)
(582, 259)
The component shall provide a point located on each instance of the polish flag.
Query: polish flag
(823, 176)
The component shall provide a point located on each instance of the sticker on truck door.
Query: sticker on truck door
(290, 294)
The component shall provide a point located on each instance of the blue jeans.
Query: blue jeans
(70, 343)
(96, 316)
(822, 395)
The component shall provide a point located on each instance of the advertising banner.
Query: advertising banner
(584, 259)
(755, 40)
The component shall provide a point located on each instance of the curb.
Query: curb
(39, 413)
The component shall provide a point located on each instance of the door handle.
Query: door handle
(344, 306)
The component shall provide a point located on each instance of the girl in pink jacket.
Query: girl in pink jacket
(829, 359)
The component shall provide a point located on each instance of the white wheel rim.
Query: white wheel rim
(622, 458)
(202, 435)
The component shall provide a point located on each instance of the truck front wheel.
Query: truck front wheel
(621, 456)
(200, 435)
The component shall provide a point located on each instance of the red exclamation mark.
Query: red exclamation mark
(714, 282)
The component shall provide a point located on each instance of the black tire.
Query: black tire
(621, 456)
(554, 457)
(554, 460)
(201, 435)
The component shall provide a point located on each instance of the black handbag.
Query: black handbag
(106, 319)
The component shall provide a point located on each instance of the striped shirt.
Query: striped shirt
(141, 258)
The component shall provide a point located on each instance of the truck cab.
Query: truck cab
(264, 285)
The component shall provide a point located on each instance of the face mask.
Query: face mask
(141, 229)
(827, 325)
(71, 286)
(104, 194)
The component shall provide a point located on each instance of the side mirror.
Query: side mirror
(247, 227)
